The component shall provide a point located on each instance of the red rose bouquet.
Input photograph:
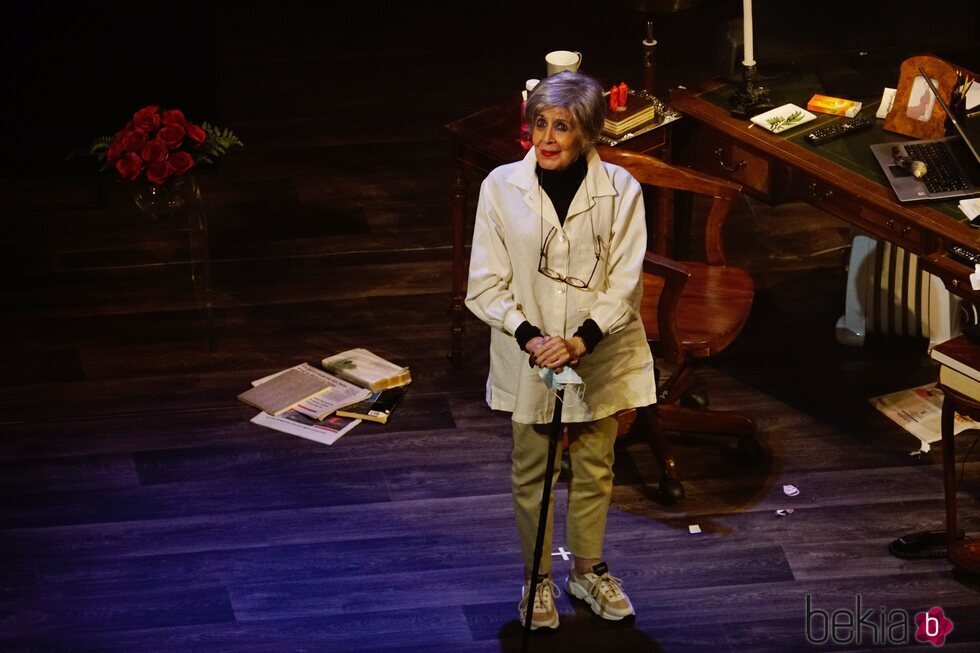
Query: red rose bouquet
(158, 145)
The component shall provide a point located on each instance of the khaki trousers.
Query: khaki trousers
(589, 489)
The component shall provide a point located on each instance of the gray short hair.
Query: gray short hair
(580, 94)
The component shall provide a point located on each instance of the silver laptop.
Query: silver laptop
(953, 162)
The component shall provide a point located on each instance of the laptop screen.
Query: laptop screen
(971, 135)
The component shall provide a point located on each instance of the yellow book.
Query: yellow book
(959, 382)
(833, 105)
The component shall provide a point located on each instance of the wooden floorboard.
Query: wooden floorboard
(141, 511)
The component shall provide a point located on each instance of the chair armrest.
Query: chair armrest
(723, 194)
(675, 276)
(651, 171)
(654, 172)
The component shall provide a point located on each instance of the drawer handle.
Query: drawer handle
(820, 196)
(738, 166)
(890, 223)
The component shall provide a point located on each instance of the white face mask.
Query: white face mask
(556, 382)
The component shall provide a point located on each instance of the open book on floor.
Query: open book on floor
(367, 370)
(305, 389)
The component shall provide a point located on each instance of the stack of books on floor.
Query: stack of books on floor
(324, 404)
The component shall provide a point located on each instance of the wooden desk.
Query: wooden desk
(489, 138)
(843, 178)
(840, 177)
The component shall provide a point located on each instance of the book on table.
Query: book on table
(366, 369)
(377, 407)
(960, 360)
(636, 113)
(305, 389)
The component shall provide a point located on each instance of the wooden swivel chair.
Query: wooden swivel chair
(691, 310)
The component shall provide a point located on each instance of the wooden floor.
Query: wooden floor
(141, 511)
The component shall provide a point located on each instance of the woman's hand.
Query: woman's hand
(532, 347)
(556, 352)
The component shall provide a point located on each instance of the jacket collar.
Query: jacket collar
(597, 184)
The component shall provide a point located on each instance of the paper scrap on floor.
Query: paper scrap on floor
(919, 411)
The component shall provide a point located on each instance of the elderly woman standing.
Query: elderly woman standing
(556, 271)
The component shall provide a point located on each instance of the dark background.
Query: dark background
(72, 74)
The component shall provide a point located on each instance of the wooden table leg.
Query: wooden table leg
(949, 468)
(963, 553)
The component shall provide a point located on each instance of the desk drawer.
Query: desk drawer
(655, 142)
(848, 207)
(713, 153)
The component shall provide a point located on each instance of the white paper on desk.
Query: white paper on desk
(970, 207)
(972, 96)
(783, 118)
(887, 100)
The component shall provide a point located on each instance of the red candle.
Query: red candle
(614, 98)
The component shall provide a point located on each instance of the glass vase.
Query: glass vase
(167, 199)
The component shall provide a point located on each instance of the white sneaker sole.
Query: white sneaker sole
(579, 592)
(536, 626)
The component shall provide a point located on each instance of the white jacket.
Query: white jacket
(505, 288)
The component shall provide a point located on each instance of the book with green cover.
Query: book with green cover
(377, 407)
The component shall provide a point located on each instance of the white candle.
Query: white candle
(748, 59)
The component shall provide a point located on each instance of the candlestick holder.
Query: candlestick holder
(649, 60)
(749, 99)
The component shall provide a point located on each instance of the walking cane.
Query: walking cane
(549, 472)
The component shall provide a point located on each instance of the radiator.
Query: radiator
(888, 294)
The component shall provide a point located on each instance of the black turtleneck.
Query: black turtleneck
(561, 186)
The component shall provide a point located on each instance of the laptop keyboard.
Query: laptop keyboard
(943, 175)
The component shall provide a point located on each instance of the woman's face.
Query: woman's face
(557, 139)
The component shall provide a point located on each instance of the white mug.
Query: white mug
(560, 60)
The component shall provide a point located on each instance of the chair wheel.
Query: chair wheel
(670, 491)
(749, 451)
(694, 399)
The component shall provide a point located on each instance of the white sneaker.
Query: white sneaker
(603, 592)
(545, 614)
